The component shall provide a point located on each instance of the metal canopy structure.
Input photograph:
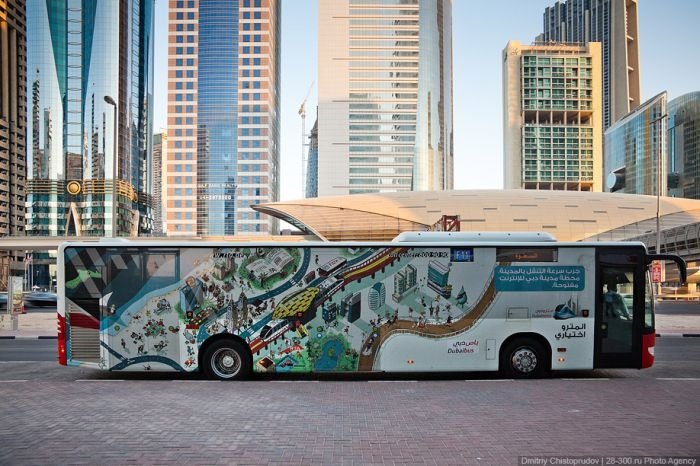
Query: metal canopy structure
(568, 215)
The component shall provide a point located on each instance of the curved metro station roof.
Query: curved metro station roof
(568, 215)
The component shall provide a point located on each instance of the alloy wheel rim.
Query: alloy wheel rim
(226, 363)
(524, 360)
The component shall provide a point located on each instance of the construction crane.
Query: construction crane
(304, 155)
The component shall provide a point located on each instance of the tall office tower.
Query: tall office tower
(656, 148)
(13, 122)
(13, 116)
(635, 151)
(384, 96)
(89, 101)
(223, 115)
(552, 117)
(613, 23)
(684, 145)
(160, 155)
(311, 188)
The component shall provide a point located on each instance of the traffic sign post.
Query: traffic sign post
(657, 272)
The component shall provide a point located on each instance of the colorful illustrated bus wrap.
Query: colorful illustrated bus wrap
(519, 303)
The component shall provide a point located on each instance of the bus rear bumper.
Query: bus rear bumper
(648, 345)
(62, 356)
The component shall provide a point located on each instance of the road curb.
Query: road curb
(21, 337)
(678, 335)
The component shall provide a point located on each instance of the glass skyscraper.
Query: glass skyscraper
(89, 73)
(613, 23)
(684, 145)
(635, 149)
(385, 96)
(660, 134)
(223, 116)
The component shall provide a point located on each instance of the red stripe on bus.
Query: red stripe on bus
(84, 321)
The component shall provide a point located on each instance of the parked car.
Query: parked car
(40, 299)
(3, 304)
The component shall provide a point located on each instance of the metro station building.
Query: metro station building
(567, 215)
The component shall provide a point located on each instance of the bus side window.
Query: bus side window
(124, 276)
(160, 266)
(618, 286)
(85, 278)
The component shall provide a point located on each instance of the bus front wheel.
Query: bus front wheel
(226, 360)
(523, 358)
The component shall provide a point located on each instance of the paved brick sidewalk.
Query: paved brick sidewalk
(349, 422)
(32, 324)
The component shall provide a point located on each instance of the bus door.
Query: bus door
(135, 325)
(84, 285)
(619, 314)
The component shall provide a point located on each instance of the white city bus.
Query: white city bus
(521, 303)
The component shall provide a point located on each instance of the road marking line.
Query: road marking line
(196, 381)
(13, 381)
(489, 380)
(293, 381)
(392, 381)
(21, 362)
(586, 378)
(678, 378)
(100, 380)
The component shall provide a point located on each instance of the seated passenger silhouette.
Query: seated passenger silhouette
(614, 303)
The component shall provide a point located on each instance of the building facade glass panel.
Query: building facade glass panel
(552, 118)
(223, 116)
(81, 52)
(385, 96)
(684, 146)
(613, 23)
(13, 129)
(217, 117)
(635, 148)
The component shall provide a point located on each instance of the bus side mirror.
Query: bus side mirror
(682, 267)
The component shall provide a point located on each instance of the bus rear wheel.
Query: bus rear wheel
(523, 358)
(226, 360)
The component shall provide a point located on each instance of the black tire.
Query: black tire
(226, 360)
(524, 358)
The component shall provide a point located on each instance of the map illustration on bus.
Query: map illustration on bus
(522, 304)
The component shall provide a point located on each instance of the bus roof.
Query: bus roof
(469, 236)
(409, 239)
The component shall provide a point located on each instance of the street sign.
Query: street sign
(657, 272)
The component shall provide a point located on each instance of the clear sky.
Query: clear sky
(669, 34)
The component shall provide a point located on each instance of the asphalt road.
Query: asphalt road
(674, 355)
(678, 307)
(39, 309)
(28, 350)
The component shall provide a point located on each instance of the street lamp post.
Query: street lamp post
(111, 102)
(658, 180)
